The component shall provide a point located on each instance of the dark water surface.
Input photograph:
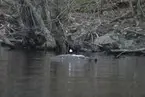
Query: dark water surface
(29, 74)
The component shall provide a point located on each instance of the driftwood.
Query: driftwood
(140, 50)
(124, 51)
(6, 41)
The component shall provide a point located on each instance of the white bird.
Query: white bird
(70, 50)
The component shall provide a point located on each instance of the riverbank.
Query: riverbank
(84, 32)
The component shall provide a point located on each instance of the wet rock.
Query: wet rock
(106, 39)
(72, 58)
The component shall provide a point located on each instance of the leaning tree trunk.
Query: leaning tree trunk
(58, 15)
(38, 34)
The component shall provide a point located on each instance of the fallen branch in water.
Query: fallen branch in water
(140, 50)
(6, 41)
(120, 54)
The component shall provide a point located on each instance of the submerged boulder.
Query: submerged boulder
(106, 39)
(73, 58)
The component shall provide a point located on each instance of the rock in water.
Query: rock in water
(71, 65)
(73, 57)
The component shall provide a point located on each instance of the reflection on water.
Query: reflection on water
(33, 74)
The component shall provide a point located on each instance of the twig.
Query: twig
(120, 54)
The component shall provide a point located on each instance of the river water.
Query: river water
(35, 74)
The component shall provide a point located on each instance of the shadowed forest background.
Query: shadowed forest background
(114, 26)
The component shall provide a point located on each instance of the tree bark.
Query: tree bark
(57, 17)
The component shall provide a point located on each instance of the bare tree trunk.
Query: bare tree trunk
(57, 16)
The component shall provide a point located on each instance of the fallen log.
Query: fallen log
(6, 41)
(120, 52)
(140, 50)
